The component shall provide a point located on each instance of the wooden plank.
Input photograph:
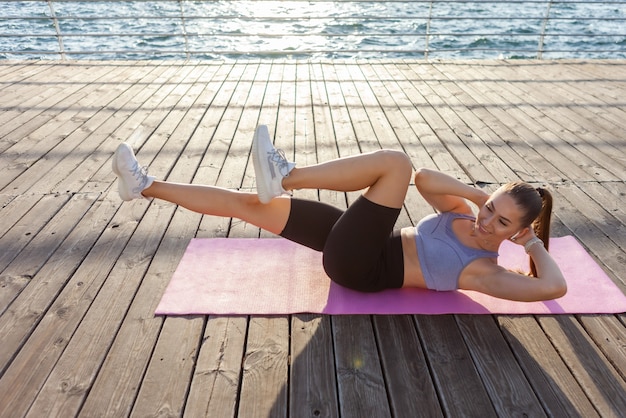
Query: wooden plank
(593, 70)
(120, 377)
(107, 124)
(510, 391)
(105, 305)
(312, 381)
(558, 130)
(304, 127)
(608, 195)
(325, 130)
(30, 99)
(587, 96)
(337, 139)
(28, 80)
(21, 382)
(450, 140)
(223, 403)
(62, 134)
(306, 132)
(9, 69)
(104, 122)
(231, 105)
(267, 339)
(598, 378)
(101, 322)
(573, 213)
(43, 277)
(512, 113)
(369, 90)
(508, 164)
(189, 133)
(605, 198)
(596, 213)
(223, 344)
(18, 82)
(428, 136)
(29, 128)
(156, 396)
(284, 130)
(210, 168)
(363, 125)
(118, 381)
(238, 124)
(406, 120)
(359, 376)
(459, 386)
(21, 236)
(554, 384)
(361, 389)
(410, 389)
(162, 393)
(264, 368)
(443, 102)
(582, 112)
(14, 207)
(344, 130)
(511, 133)
(607, 332)
(75, 145)
(216, 376)
(348, 142)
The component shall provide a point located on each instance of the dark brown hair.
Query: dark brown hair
(536, 203)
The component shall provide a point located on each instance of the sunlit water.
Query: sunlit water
(225, 29)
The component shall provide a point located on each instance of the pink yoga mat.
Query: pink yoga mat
(276, 276)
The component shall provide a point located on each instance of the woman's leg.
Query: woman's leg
(216, 201)
(134, 183)
(385, 174)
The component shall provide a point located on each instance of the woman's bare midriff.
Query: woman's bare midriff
(413, 276)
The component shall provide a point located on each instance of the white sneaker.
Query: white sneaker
(270, 166)
(133, 179)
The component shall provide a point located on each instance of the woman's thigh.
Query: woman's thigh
(310, 223)
(357, 253)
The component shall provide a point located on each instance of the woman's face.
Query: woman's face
(499, 218)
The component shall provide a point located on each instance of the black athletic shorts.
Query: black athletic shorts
(361, 250)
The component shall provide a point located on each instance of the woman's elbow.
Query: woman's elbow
(421, 174)
(561, 290)
(557, 290)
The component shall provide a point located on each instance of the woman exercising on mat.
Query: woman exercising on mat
(453, 249)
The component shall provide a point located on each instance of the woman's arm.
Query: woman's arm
(496, 281)
(447, 194)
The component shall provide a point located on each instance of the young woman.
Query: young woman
(453, 249)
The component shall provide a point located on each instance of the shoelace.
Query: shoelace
(277, 156)
(141, 175)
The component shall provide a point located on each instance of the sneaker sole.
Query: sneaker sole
(121, 185)
(265, 195)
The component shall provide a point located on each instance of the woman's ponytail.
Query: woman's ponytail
(541, 225)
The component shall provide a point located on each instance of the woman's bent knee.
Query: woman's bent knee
(396, 159)
(397, 162)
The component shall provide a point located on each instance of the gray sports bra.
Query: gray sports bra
(442, 256)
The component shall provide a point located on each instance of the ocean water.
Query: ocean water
(303, 29)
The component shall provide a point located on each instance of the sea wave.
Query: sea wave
(130, 29)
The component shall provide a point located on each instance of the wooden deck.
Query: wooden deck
(81, 272)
